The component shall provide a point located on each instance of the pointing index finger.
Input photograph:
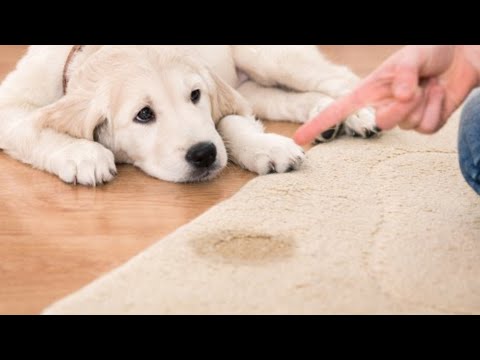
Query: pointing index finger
(332, 115)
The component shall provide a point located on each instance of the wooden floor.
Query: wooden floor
(55, 238)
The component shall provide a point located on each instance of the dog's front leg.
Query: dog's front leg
(78, 161)
(73, 160)
(250, 147)
(303, 69)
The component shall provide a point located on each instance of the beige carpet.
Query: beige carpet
(366, 227)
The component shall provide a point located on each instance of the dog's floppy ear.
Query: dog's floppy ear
(76, 114)
(226, 100)
(85, 105)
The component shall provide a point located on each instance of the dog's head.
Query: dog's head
(155, 109)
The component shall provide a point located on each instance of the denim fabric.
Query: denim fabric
(469, 141)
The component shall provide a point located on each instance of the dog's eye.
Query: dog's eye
(195, 96)
(145, 115)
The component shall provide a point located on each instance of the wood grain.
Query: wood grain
(55, 238)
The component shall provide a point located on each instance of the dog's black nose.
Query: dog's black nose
(202, 155)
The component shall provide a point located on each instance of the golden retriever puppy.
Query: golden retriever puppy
(173, 111)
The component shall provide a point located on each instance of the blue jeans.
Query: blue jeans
(469, 141)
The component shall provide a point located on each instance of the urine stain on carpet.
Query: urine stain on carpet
(243, 248)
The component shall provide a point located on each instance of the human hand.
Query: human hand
(418, 88)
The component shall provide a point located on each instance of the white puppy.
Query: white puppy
(173, 111)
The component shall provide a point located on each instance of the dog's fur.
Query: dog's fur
(80, 135)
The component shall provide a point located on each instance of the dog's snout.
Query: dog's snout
(202, 155)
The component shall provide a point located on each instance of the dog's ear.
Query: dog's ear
(75, 114)
(84, 106)
(226, 100)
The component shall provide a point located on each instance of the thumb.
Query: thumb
(405, 69)
(405, 83)
(416, 62)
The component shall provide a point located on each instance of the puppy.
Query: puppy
(173, 111)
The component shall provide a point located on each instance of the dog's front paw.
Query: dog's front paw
(362, 124)
(85, 162)
(272, 153)
(331, 133)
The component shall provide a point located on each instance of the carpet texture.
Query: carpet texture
(386, 226)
